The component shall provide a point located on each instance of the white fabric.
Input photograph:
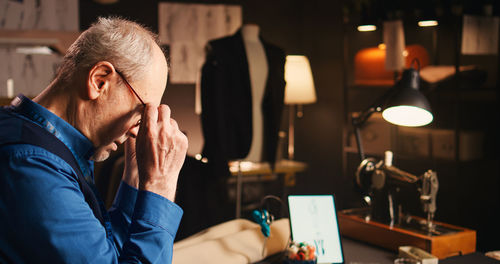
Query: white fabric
(233, 242)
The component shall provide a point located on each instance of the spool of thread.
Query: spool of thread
(388, 158)
(10, 88)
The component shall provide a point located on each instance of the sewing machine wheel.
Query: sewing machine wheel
(368, 177)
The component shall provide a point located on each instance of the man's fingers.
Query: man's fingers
(174, 124)
(164, 113)
(161, 151)
(130, 143)
(150, 116)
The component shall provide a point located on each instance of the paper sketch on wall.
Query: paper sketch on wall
(186, 28)
(30, 73)
(480, 35)
(59, 15)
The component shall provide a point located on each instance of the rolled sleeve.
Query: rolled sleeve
(125, 199)
(153, 228)
(144, 224)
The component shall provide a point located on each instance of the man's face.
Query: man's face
(121, 112)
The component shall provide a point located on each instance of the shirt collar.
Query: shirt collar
(78, 144)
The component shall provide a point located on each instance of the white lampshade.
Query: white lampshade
(299, 81)
(407, 115)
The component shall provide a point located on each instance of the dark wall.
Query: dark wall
(315, 28)
(311, 28)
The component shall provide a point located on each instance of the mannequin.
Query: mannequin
(242, 91)
(258, 70)
(242, 78)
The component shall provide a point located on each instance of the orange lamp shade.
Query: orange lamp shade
(416, 52)
(369, 65)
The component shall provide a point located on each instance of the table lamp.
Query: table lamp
(299, 90)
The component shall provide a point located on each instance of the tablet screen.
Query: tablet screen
(313, 219)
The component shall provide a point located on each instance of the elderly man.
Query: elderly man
(107, 92)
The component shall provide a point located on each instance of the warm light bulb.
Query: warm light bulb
(405, 115)
(365, 28)
(428, 23)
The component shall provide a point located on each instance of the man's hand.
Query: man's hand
(130, 173)
(161, 151)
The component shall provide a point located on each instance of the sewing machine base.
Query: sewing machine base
(444, 240)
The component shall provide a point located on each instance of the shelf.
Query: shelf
(480, 95)
(263, 168)
(354, 150)
(5, 101)
(253, 178)
(60, 40)
(247, 171)
(363, 87)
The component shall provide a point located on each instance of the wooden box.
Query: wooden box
(461, 242)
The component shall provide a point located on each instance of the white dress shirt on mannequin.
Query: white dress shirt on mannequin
(258, 70)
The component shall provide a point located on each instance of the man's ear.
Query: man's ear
(99, 79)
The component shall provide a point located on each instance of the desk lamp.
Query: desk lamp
(402, 105)
(299, 90)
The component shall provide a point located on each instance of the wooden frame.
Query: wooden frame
(442, 246)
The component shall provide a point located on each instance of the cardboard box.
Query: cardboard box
(471, 144)
(413, 142)
(443, 144)
(376, 135)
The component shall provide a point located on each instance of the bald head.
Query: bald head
(126, 44)
(104, 73)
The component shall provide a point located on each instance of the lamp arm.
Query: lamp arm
(358, 143)
(357, 122)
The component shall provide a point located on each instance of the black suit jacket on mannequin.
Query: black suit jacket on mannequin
(227, 100)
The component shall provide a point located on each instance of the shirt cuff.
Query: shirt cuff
(125, 198)
(158, 211)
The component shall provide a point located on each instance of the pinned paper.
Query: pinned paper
(187, 28)
(480, 35)
(394, 40)
(61, 15)
(26, 73)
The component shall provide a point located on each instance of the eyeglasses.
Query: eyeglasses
(130, 86)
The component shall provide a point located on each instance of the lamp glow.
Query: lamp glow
(402, 105)
(299, 90)
(366, 28)
(299, 81)
(409, 116)
(428, 23)
(43, 50)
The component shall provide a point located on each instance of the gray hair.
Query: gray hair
(125, 44)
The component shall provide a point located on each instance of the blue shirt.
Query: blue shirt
(43, 214)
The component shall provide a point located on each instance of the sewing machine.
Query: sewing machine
(375, 176)
(383, 222)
